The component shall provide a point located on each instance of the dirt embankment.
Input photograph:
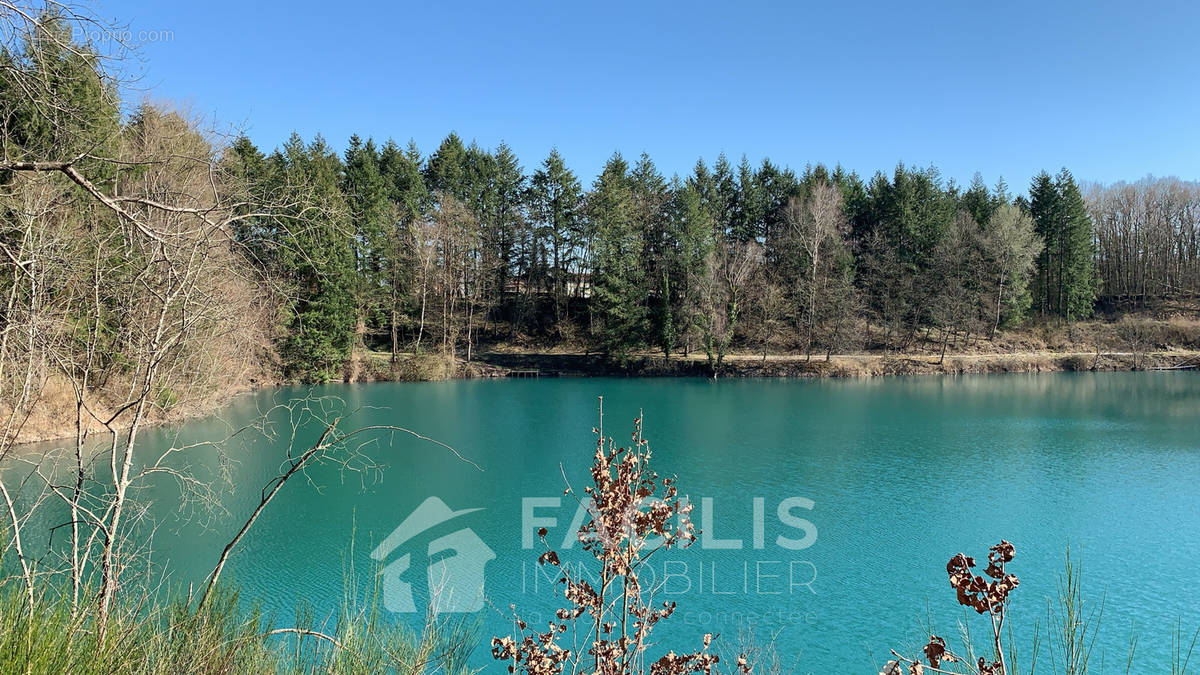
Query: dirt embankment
(851, 365)
(1130, 342)
(56, 410)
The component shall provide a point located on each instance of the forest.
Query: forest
(463, 247)
(309, 256)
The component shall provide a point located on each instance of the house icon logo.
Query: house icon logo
(455, 563)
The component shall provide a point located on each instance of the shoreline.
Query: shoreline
(504, 364)
(517, 364)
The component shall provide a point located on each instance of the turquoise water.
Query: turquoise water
(902, 473)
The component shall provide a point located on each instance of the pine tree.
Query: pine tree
(404, 180)
(256, 236)
(317, 260)
(503, 215)
(411, 201)
(909, 217)
(1078, 268)
(775, 187)
(1067, 283)
(446, 170)
(747, 218)
(651, 200)
(978, 201)
(702, 184)
(724, 205)
(78, 111)
(854, 197)
(556, 203)
(1044, 207)
(1000, 194)
(693, 232)
(370, 212)
(619, 293)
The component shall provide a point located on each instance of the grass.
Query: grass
(224, 637)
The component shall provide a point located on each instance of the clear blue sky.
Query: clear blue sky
(1109, 89)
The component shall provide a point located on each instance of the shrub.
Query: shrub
(978, 593)
(629, 504)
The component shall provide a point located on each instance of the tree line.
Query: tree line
(462, 246)
(383, 247)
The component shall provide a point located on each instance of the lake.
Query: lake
(830, 506)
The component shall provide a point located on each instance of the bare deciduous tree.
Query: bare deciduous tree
(126, 297)
(1148, 238)
(721, 287)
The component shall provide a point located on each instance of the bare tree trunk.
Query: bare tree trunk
(15, 523)
(109, 571)
(394, 320)
(424, 295)
(999, 296)
(470, 327)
